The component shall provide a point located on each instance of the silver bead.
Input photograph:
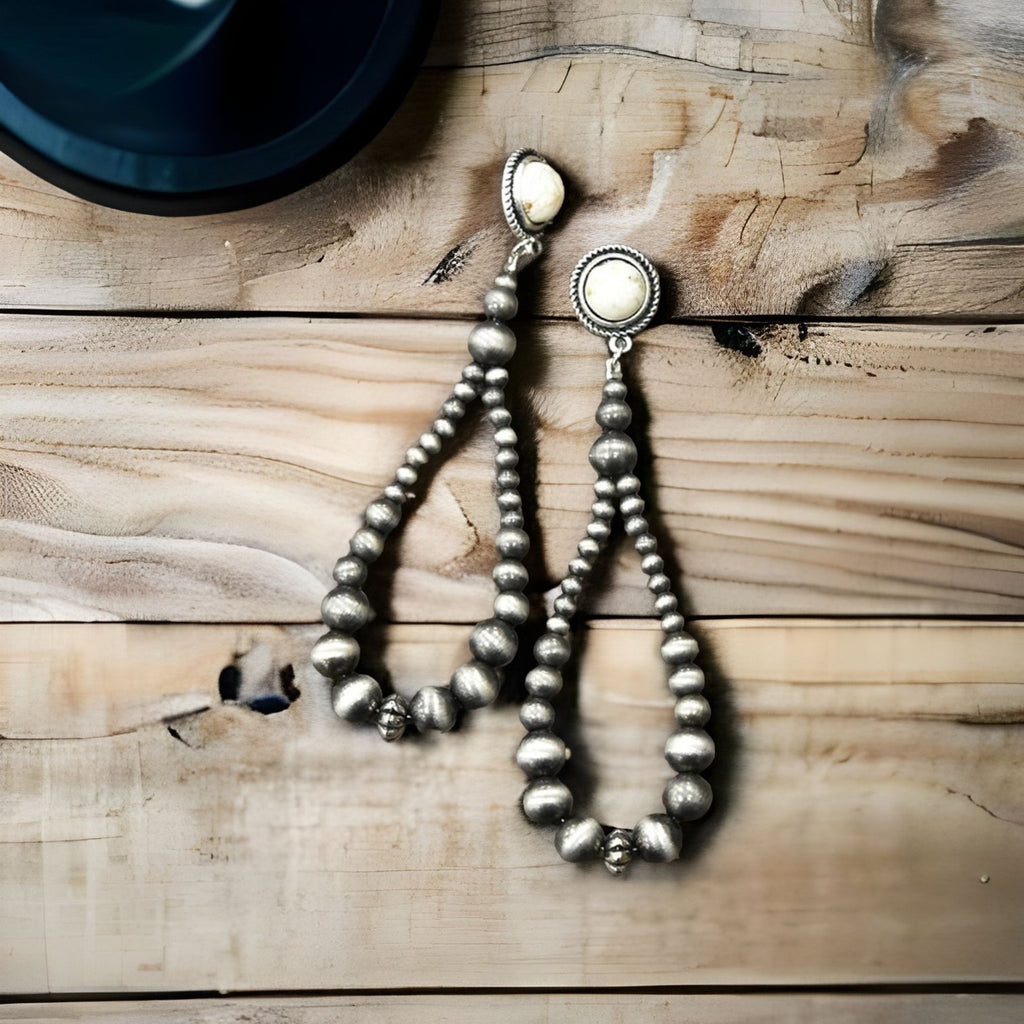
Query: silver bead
(658, 838)
(417, 456)
(652, 564)
(345, 609)
(673, 622)
(614, 414)
(645, 544)
(614, 389)
(396, 493)
(499, 417)
(626, 484)
(613, 453)
(636, 525)
(511, 542)
(634, 505)
(492, 343)
(335, 655)
(557, 624)
(382, 515)
(454, 408)
(493, 397)
(513, 518)
(664, 604)
(493, 642)
(571, 586)
(686, 679)
(580, 839)
(349, 571)
(659, 583)
(356, 698)
(617, 850)
(604, 488)
(512, 606)
(500, 303)
(687, 797)
(508, 479)
(565, 606)
(509, 500)
(599, 530)
(393, 717)
(679, 649)
(546, 801)
(464, 391)
(506, 437)
(544, 681)
(433, 707)
(366, 544)
(406, 476)
(510, 574)
(474, 373)
(536, 713)
(580, 567)
(588, 548)
(604, 510)
(443, 428)
(541, 753)
(430, 442)
(507, 279)
(475, 685)
(552, 650)
(692, 709)
(689, 750)
(496, 377)
(506, 458)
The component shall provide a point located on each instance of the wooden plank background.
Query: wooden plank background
(196, 410)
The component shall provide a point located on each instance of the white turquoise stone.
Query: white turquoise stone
(538, 191)
(615, 290)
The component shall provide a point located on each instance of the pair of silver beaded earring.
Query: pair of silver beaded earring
(615, 292)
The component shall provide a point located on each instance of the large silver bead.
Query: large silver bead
(475, 685)
(393, 717)
(510, 574)
(536, 713)
(546, 801)
(679, 648)
(433, 707)
(658, 838)
(356, 698)
(511, 542)
(345, 609)
(617, 850)
(349, 571)
(512, 606)
(614, 414)
(692, 709)
(492, 343)
(544, 681)
(613, 454)
(541, 753)
(580, 839)
(335, 655)
(552, 650)
(493, 642)
(687, 797)
(366, 544)
(686, 679)
(689, 750)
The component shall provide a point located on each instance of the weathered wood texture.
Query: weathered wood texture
(868, 826)
(206, 470)
(551, 1009)
(799, 156)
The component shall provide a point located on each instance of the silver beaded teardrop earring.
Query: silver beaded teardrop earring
(615, 292)
(532, 194)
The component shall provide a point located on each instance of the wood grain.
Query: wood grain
(868, 825)
(206, 470)
(557, 1008)
(794, 157)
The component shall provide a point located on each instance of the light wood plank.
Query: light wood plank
(557, 1008)
(868, 825)
(206, 470)
(791, 156)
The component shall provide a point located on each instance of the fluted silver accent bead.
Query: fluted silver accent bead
(617, 850)
(393, 717)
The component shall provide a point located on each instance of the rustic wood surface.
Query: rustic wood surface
(557, 1008)
(207, 470)
(868, 826)
(799, 156)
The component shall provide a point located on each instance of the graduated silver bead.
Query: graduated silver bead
(604, 488)
(692, 709)
(613, 453)
(500, 303)
(687, 797)
(493, 642)
(588, 548)
(557, 624)
(464, 392)
(652, 565)
(366, 544)
(552, 650)
(544, 681)
(475, 685)
(614, 389)
(510, 574)
(474, 373)
(512, 542)
(499, 416)
(443, 428)
(496, 377)
(406, 476)
(665, 603)
(506, 458)
(603, 510)
(396, 493)
(509, 501)
(658, 838)
(492, 343)
(508, 479)
(689, 750)
(512, 606)
(345, 609)
(506, 437)
(673, 622)
(514, 518)
(632, 506)
(430, 442)
(572, 587)
(350, 571)
(659, 583)
(686, 679)
(580, 839)
(546, 801)
(536, 713)
(614, 414)
(627, 484)
(679, 648)
(382, 515)
(356, 698)
(416, 456)
(580, 567)
(635, 526)
(454, 408)
(433, 708)
(335, 655)
(599, 530)
(565, 606)
(646, 544)
(541, 753)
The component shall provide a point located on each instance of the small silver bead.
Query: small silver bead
(636, 525)
(572, 587)
(464, 392)
(537, 713)
(617, 850)
(366, 544)
(552, 650)
(491, 343)
(382, 515)
(565, 606)
(659, 583)
(599, 530)
(512, 542)
(603, 510)
(393, 717)
(645, 544)
(506, 279)
(335, 655)
(614, 389)
(588, 548)
(632, 506)
(493, 397)
(506, 437)
(604, 488)
(658, 838)
(345, 609)
(417, 456)
(509, 500)
(508, 479)
(474, 373)
(665, 603)
(614, 414)
(454, 408)
(500, 303)
(506, 458)
(692, 709)
(541, 753)
(557, 624)
(475, 684)
(406, 476)
(430, 442)
(499, 416)
(443, 428)
(546, 801)
(434, 707)
(580, 567)
(686, 679)
(627, 484)
(513, 518)
(493, 642)
(356, 698)
(687, 797)
(613, 453)
(512, 606)
(349, 571)
(689, 750)
(679, 649)
(510, 574)
(544, 681)
(673, 622)
(496, 377)
(652, 564)
(396, 494)
(580, 839)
